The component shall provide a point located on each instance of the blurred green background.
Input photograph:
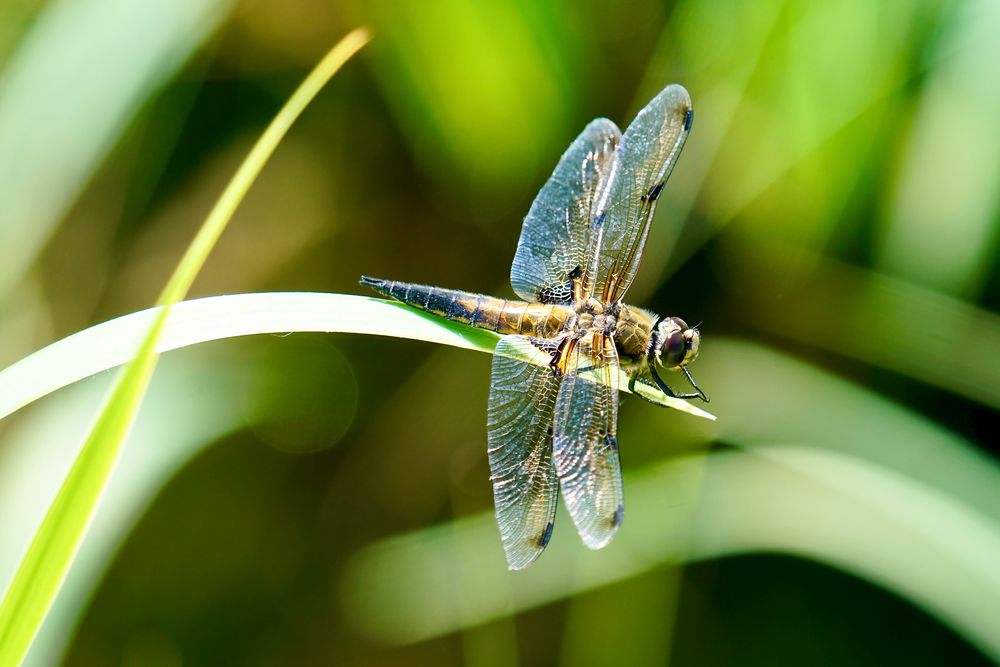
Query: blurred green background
(309, 499)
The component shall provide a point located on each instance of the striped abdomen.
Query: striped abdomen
(541, 320)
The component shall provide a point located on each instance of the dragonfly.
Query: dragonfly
(552, 419)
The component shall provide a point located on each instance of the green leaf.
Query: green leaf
(51, 553)
(106, 345)
(822, 469)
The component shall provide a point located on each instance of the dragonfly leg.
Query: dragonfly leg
(673, 394)
(702, 395)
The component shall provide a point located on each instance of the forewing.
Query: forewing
(585, 443)
(555, 237)
(646, 156)
(522, 399)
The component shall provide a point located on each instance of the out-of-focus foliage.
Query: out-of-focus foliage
(43, 569)
(833, 222)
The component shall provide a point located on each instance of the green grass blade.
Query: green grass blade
(106, 345)
(827, 470)
(838, 509)
(44, 567)
(216, 222)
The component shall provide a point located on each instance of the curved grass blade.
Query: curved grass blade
(792, 498)
(106, 345)
(44, 566)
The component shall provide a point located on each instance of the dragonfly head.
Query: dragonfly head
(675, 344)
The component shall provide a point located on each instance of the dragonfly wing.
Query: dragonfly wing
(519, 432)
(647, 154)
(585, 443)
(555, 237)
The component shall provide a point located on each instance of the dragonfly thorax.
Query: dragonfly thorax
(592, 316)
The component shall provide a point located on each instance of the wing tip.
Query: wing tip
(517, 566)
(599, 541)
(601, 125)
(676, 97)
(600, 533)
(518, 560)
(679, 92)
(523, 552)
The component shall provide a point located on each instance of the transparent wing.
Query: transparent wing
(585, 443)
(556, 234)
(519, 432)
(646, 156)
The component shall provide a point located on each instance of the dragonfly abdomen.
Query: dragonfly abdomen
(478, 310)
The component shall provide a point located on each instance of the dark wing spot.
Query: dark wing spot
(616, 520)
(562, 294)
(547, 345)
(654, 192)
(688, 119)
(544, 538)
(611, 441)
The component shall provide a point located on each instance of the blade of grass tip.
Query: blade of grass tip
(44, 566)
(209, 233)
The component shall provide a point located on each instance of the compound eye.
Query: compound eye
(674, 349)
